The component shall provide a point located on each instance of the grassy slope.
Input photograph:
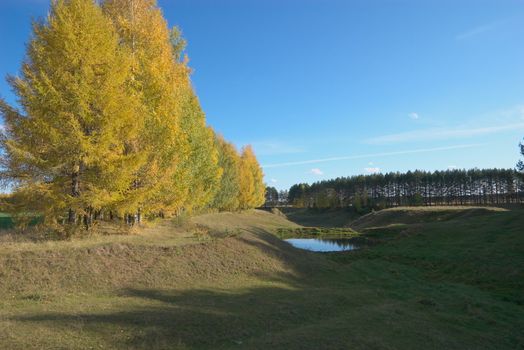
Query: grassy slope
(320, 217)
(452, 283)
(418, 215)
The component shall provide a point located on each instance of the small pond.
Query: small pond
(323, 244)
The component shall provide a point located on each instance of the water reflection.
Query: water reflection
(322, 244)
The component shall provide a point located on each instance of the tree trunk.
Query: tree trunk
(75, 192)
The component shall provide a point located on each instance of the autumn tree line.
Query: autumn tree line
(414, 188)
(109, 125)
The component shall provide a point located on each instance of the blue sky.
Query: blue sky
(328, 88)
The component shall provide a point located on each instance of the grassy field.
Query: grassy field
(435, 280)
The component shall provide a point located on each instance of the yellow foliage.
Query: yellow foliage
(252, 188)
(110, 121)
(79, 114)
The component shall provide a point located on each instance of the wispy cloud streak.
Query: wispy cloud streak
(269, 148)
(383, 154)
(479, 30)
(441, 134)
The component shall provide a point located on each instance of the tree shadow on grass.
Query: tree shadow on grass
(304, 307)
(215, 318)
(204, 319)
(260, 303)
(282, 311)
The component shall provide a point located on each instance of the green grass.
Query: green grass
(451, 283)
(319, 217)
(418, 215)
(6, 222)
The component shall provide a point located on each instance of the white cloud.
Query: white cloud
(442, 133)
(374, 155)
(370, 163)
(372, 170)
(274, 181)
(316, 171)
(452, 167)
(414, 116)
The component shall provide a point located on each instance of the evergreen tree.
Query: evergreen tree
(378, 191)
(520, 165)
(271, 196)
(283, 197)
(69, 148)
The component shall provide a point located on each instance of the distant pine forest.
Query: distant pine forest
(413, 188)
